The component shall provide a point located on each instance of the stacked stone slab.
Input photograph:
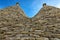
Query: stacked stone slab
(15, 25)
(49, 21)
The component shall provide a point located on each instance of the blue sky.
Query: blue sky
(30, 7)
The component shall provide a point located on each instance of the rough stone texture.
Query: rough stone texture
(14, 25)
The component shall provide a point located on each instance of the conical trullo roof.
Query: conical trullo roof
(14, 25)
(13, 14)
(45, 11)
(16, 8)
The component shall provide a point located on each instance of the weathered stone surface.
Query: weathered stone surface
(15, 25)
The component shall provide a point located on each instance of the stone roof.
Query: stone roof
(46, 11)
(14, 25)
(15, 8)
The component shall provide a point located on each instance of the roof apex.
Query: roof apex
(44, 4)
(17, 3)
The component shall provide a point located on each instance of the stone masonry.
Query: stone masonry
(15, 25)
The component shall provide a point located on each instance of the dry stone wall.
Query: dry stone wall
(14, 25)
